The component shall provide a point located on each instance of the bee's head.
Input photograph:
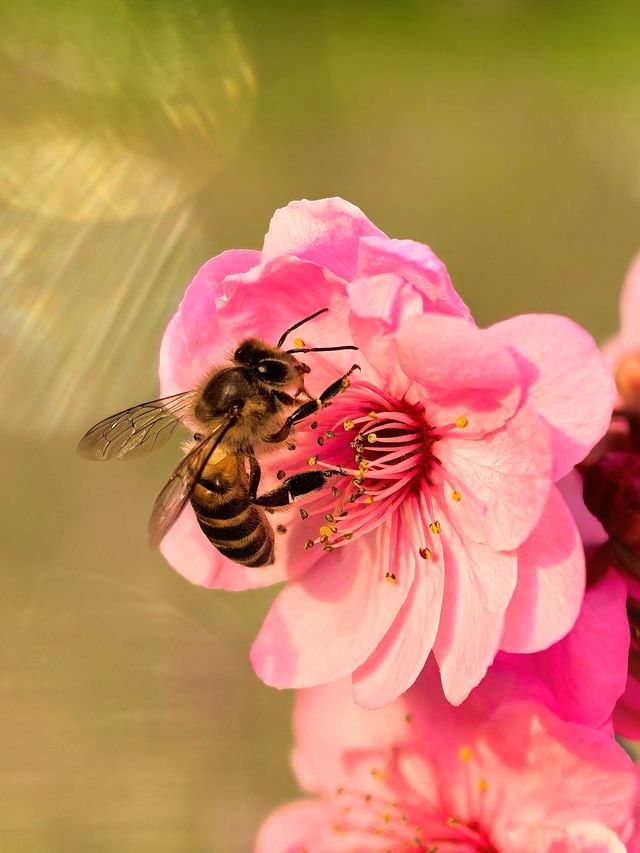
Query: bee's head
(270, 365)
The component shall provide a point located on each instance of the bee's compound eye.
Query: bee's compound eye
(271, 370)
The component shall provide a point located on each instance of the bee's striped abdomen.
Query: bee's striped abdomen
(237, 528)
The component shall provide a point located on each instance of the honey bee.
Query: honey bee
(236, 414)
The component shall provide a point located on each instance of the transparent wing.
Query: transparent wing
(135, 431)
(173, 498)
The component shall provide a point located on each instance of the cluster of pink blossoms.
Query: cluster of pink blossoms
(459, 681)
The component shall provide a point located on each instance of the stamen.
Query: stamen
(425, 553)
(348, 425)
(299, 343)
(303, 513)
(435, 528)
(462, 421)
(390, 578)
(372, 438)
(281, 474)
(312, 460)
(456, 495)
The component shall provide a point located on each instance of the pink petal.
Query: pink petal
(478, 585)
(626, 716)
(569, 383)
(326, 624)
(194, 340)
(418, 266)
(584, 673)
(327, 232)
(292, 828)
(463, 370)
(630, 306)
(582, 837)
(321, 738)
(551, 580)
(401, 654)
(271, 297)
(191, 554)
(558, 764)
(504, 479)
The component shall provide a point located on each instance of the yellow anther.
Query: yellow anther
(312, 460)
(368, 499)
(376, 773)
(373, 416)
(298, 343)
(325, 530)
(425, 553)
(452, 821)
(348, 425)
(339, 790)
(483, 785)
(456, 495)
(386, 817)
(462, 421)
(308, 544)
(372, 438)
(434, 527)
(465, 753)
(347, 535)
(390, 578)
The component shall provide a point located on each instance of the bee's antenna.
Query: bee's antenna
(319, 349)
(295, 326)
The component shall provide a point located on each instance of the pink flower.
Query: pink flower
(622, 352)
(444, 531)
(581, 677)
(495, 774)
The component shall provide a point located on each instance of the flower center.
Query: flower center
(377, 452)
(394, 812)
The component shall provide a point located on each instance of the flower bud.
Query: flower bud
(628, 377)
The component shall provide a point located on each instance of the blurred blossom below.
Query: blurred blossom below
(137, 140)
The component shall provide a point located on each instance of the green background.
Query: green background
(137, 139)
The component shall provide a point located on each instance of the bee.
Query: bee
(236, 414)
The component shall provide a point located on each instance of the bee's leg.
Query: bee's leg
(312, 406)
(255, 473)
(293, 487)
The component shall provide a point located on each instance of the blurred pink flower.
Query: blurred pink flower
(622, 352)
(491, 775)
(448, 533)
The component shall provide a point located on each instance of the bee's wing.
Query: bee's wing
(135, 431)
(173, 498)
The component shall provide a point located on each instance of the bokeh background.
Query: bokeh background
(137, 139)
